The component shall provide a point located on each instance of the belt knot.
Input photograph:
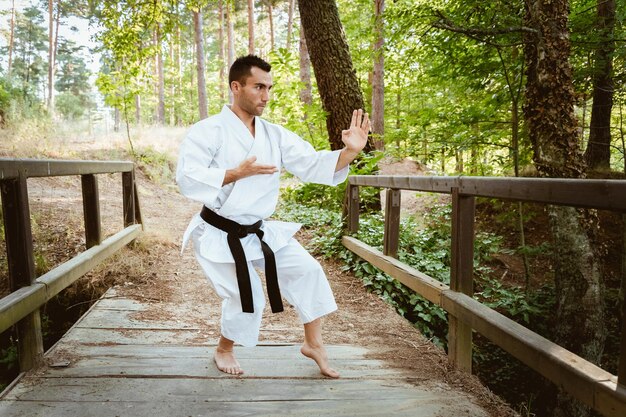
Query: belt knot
(235, 232)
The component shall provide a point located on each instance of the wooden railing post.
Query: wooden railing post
(19, 246)
(353, 208)
(138, 218)
(392, 222)
(461, 277)
(91, 210)
(128, 197)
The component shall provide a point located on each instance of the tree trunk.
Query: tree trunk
(202, 95)
(549, 107)
(11, 36)
(378, 82)
(398, 122)
(231, 43)
(179, 67)
(458, 156)
(553, 131)
(160, 78)
(270, 14)
(598, 153)
(56, 38)
(306, 95)
(116, 120)
(172, 93)
(221, 48)
(51, 57)
(443, 161)
(138, 109)
(290, 24)
(330, 56)
(250, 26)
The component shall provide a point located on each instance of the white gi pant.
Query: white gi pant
(302, 283)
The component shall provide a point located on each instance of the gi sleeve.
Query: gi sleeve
(196, 177)
(302, 160)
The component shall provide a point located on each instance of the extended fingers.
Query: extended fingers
(265, 169)
(360, 119)
(365, 124)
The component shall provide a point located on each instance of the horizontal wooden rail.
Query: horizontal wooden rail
(28, 292)
(600, 194)
(579, 377)
(427, 287)
(31, 168)
(584, 380)
(24, 301)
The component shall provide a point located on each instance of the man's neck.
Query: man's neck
(245, 117)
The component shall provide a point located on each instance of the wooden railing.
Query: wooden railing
(29, 292)
(592, 385)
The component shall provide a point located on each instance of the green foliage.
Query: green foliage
(332, 197)
(426, 249)
(158, 166)
(8, 356)
(69, 106)
(9, 360)
(286, 108)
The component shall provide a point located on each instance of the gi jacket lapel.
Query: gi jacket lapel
(240, 138)
(245, 145)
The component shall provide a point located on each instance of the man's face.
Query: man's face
(253, 95)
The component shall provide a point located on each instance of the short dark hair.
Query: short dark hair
(240, 70)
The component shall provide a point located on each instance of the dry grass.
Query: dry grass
(45, 139)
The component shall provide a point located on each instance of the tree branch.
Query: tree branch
(476, 33)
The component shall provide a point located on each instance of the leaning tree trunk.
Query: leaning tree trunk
(336, 79)
(598, 153)
(552, 127)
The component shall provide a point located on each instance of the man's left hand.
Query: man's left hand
(355, 137)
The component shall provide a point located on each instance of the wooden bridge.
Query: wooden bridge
(126, 358)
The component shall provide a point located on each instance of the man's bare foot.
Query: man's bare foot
(226, 362)
(224, 357)
(318, 354)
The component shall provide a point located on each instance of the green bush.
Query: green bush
(332, 197)
(71, 106)
(158, 166)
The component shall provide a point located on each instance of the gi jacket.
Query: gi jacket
(222, 142)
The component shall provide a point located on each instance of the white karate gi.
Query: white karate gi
(222, 142)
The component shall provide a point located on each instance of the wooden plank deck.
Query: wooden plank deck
(114, 363)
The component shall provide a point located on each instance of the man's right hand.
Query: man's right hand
(246, 169)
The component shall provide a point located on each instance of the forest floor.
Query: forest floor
(154, 270)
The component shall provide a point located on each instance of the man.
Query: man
(230, 162)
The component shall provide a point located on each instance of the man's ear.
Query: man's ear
(235, 86)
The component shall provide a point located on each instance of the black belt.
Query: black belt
(236, 232)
